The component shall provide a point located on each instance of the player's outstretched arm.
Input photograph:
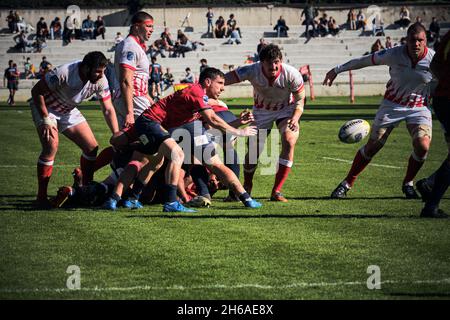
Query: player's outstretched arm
(109, 113)
(354, 64)
(231, 78)
(329, 78)
(216, 122)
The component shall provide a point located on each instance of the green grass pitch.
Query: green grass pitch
(308, 248)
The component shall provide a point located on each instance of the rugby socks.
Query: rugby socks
(360, 162)
(171, 193)
(200, 177)
(136, 191)
(44, 172)
(115, 196)
(441, 183)
(232, 162)
(87, 164)
(284, 167)
(414, 165)
(244, 197)
(248, 178)
(104, 158)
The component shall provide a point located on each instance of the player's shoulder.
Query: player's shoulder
(290, 70)
(430, 54)
(194, 90)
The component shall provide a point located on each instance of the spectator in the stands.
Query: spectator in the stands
(323, 25)
(234, 37)
(351, 19)
(12, 24)
(167, 36)
(361, 21)
(87, 28)
(159, 46)
(77, 26)
(68, 30)
(203, 64)
(189, 77)
(21, 42)
(232, 25)
(333, 27)
(209, 19)
(405, 19)
(310, 13)
(99, 26)
(433, 30)
(281, 27)
(220, 28)
(42, 30)
(388, 44)
(377, 46)
(30, 69)
(44, 67)
(168, 79)
(56, 30)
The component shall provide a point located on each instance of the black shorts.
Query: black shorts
(198, 140)
(13, 85)
(151, 135)
(226, 116)
(441, 107)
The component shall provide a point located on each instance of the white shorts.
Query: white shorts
(388, 116)
(264, 119)
(140, 104)
(64, 121)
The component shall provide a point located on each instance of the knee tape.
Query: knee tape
(422, 130)
(136, 164)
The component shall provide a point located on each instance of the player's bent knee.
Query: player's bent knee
(422, 131)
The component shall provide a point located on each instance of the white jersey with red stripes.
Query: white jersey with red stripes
(271, 95)
(130, 53)
(409, 86)
(67, 90)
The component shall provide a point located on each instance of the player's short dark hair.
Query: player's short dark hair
(210, 73)
(94, 60)
(270, 53)
(140, 17)
(416, 28)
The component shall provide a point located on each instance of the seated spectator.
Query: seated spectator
(351, 19)
(39, 44)
(30, 70)
(44, 67)
(361, 21)
(281, 27)
(220, 28)
(419, 19)
(168, 79)
(433, 30)
(232, 25)
(377, 46)
(68, 30)
(203, 64)
(77, 28)
(42, 30)
(378, 29)
(87, 28)
(56, 29)
(333, 27)
(388, 44)
(234, 37)
(159, 46)
(167, 37)
(23, 25)
(323, 25)
(403, 41)
(404, 20)
(21, 41)
(189, 77)
(100, 29)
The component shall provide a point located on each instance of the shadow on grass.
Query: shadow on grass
(254, 215)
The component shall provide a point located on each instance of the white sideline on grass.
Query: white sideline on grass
(222, 286)
(370, 164)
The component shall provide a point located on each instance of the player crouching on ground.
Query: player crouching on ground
(406, 98)
(54, 108)
(178, 114)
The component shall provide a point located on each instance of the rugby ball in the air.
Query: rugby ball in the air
(354, 131)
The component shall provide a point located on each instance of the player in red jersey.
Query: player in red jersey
(54, 109)
(433, 188)
(178, 114)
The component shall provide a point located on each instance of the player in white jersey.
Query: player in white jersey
(406, 98)
(54, 109)
(279, 96)
(132, 70)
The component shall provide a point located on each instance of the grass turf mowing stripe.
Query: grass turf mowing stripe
(370, 164)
